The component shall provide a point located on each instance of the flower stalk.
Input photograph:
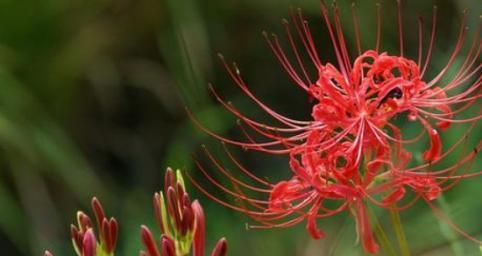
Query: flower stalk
(400, 233)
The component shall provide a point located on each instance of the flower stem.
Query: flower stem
(382, 237)
(402, 240)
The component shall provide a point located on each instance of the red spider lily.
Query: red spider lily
(181, 222)
(351, 152)
(377, 87)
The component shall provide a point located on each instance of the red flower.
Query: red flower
(83, 235)
(352, 152)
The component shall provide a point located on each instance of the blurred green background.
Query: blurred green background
(92, 103)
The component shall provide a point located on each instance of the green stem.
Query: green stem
(402, 240)
(382, 237)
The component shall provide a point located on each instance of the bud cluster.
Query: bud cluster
(84, 237)
(181, 222)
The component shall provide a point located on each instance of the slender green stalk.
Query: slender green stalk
(382, 237)
(397, 226)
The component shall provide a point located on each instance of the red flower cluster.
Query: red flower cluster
(182, 225)
(84, 238)
(352, 152)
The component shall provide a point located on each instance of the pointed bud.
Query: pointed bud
(180, 179)
(148, 241)
(179, 190)
(169, 179)
(168, 246)
(113, 233)
(173, 207)
(98, 212)
(76, 239)
(199, 232)
(221, 248)
(156, 201)
(185, 200)
(47, 253)
(89, 243)
(105, 235)
(83, 221)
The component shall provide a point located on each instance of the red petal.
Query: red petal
(435, 146)
(99, 212)
(312, 227)
(394, 197)
(199, 232)
(89, 243)
(168, 246)
(148, 241)
(365, 229)
(221, 248)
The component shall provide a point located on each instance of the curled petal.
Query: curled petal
(433, 191)
(433, 153)
(313, 228)
(344, 191)
(284, 193)
(394, 197)
(365, 229)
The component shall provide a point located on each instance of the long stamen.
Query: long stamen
(357, 28)
(432, 40)
(400, 25)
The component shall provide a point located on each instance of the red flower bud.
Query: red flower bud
(89, 244)
(221, 248)
(168, 246)
(148, 241)
(199, 232)
(156, 201)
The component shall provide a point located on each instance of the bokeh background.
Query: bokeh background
(92, 102)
